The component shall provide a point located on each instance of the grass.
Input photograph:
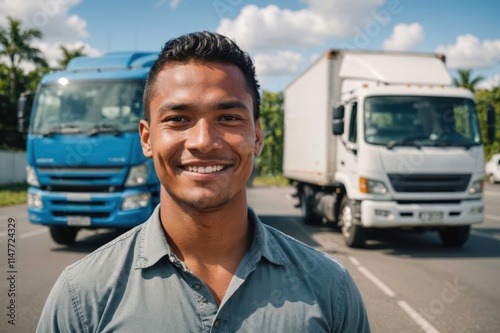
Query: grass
(270, 181)
(13, 194)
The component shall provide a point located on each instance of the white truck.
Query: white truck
(492, 169)
(382, 140)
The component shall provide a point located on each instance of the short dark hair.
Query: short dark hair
(203, 47)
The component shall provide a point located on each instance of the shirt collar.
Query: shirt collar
(264, 243)
(153, 245)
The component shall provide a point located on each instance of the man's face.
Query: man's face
(202, 135)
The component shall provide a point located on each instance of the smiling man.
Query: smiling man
(204, 262)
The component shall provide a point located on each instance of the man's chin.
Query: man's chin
(205, 203)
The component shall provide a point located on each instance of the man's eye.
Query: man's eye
(228, 118)
(176, 119)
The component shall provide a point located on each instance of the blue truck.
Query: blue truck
(85, 164)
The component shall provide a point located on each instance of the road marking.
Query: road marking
(27, 234)
(485, 235)
(375, 280)
(33, 233)
(419, 320)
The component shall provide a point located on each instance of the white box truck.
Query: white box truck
(382, 140)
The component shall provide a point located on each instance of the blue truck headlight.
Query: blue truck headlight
(138, 175)
(31, 177)
(135, 201)
(35, 200)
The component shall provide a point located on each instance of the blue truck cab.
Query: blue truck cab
(85, 167)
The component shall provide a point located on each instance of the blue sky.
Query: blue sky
(284, 37)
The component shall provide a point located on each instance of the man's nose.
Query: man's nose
(204, 137)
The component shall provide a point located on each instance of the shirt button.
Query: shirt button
(197, 287)
(217, 323)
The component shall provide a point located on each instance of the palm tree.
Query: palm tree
(70, 54)
(16, 47)
(465, 80)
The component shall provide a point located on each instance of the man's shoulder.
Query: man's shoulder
(107, 257)
(305, 255)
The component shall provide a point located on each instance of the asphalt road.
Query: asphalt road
(410, 283)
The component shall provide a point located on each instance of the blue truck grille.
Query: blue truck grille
(430, 183)
(90, 179)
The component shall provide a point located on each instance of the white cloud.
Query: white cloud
(58, 27)
(174, 3)
(279, 63)
(405, 37)
(469, 52)
(49, 16)
(490, 82)
(53, 52)
(272, 27)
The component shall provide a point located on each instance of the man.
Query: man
(203, 262)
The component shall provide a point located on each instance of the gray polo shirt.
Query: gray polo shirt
(135, 283)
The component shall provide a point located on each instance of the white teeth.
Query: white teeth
(207, 169)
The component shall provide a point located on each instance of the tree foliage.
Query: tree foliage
(271, 118)
(15, 43)
(484, 99)
(466, 80)
(68, 54)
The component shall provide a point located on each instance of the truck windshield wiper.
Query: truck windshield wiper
(62, 128)
(408, 141)
(450, 143)
(103, 128)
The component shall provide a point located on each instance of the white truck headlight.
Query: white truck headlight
(372, 186)
(138, 175)
(135, 201)
(31, 177)
(477, 187)
(35, 200)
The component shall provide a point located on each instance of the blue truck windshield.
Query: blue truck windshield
(88, 107)
(420, 121)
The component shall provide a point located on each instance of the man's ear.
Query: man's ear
(145, 138)
(259, 138)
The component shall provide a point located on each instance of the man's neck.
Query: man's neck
(210, 236)
(210, 243)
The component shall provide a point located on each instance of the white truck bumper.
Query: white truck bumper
(388, 214)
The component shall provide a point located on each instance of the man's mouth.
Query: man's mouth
(204, 169)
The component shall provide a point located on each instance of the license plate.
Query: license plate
(431, 216)
(80, 221)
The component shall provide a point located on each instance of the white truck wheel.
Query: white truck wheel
(354, 235)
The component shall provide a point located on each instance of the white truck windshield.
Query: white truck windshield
(420, 121)
(88, 107)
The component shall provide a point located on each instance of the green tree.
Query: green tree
(16, 46)
(69, 54)
(485, 98)
(272, 119)
(466, 80)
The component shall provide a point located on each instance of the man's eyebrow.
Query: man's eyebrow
(187, 107)
(231, 105)
(172, 107)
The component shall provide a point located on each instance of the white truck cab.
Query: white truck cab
(404, 149)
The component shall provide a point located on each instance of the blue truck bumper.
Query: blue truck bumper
(101, 210)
